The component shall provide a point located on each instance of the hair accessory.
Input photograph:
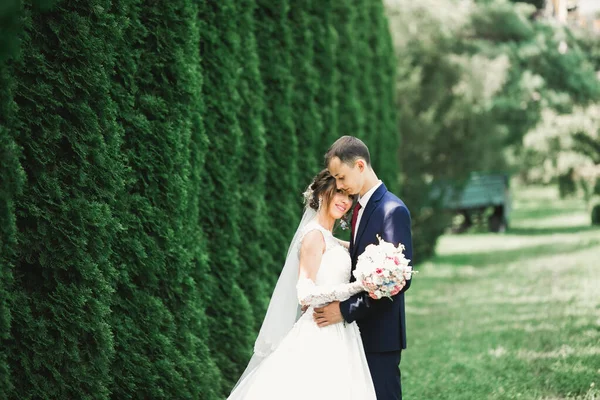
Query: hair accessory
(308, 194)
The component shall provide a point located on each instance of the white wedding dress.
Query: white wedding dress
(313, 363)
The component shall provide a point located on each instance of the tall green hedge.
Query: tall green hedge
(256, 276)
(230, 329)
(274, 40)
(366, 85)
(386, 146)
(153, 160)
(345, 19)
(11, 184)
(9, 28)
(62, 341)
(156, 304)
(325, 53)
(308, 123)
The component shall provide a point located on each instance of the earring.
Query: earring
(320, 202)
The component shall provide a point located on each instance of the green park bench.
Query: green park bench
(481, 197)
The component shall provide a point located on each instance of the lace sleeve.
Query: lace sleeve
(309, 294)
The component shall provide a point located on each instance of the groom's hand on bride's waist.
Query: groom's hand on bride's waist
(328, 315)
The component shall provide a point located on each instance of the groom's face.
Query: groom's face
(348, 177)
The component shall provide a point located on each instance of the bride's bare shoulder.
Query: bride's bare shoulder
(313, 241)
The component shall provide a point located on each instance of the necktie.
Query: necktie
(354, 218)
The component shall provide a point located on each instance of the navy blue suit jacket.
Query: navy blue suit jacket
(381, 322)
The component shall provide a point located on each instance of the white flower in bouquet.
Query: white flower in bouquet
(383, 269)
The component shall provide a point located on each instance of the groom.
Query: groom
(378, 212)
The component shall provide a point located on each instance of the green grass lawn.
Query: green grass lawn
(513, 315)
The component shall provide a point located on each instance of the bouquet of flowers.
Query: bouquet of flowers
(383, 269)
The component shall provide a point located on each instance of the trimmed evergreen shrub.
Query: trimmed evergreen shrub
(157, 311)
(387, 143)
(364, 33)
(283, 191)
(9, 28)
(62, 341)
(351, 120)
(11, 185)
(231, 322)
(257, 277)
(307, 119)
(325, 42)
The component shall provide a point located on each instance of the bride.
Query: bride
(293, 357)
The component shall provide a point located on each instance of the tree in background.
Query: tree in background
(473, 80)
(445, 115)
(550, 73)
(588, 146)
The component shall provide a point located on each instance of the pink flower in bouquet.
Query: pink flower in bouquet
(397, 289)
(383, 269)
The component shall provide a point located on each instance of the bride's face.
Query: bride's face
(340, 204)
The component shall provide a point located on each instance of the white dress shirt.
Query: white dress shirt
(364, 200)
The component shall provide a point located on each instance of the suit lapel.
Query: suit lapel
(371, 206)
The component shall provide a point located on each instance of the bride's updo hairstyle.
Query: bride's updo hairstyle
(323, 186)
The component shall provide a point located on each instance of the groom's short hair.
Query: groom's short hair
(348, 149)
